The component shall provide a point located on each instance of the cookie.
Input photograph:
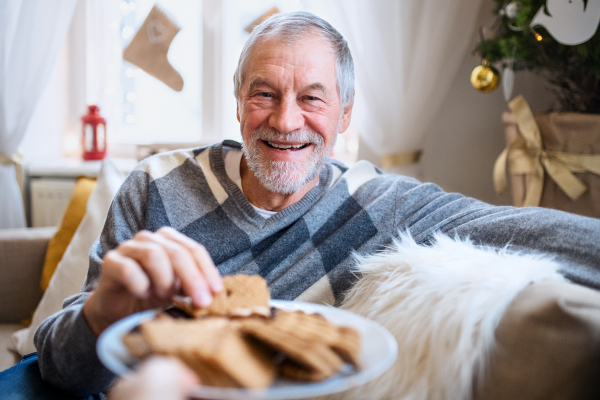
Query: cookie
(137, 345)
(297, 342)
(294, 371)
(347, 346)
(238, 341)
(240, 292)
(343, 340)
(213, 348)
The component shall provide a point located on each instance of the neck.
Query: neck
(258, 195)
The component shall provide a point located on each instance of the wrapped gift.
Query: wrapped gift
(553, 160)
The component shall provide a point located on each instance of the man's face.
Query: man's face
(289, 111)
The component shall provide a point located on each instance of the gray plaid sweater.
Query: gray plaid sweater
(304, 251)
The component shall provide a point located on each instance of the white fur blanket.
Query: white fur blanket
(442, 304)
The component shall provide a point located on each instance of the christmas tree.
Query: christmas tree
(573, 72)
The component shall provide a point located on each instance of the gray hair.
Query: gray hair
(290, 27)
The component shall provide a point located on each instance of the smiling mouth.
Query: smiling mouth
(286, 147)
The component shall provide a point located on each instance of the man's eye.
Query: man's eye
(265, 94)
(312, 98)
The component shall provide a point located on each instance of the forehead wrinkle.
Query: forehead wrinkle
(277, 69)
(275, 59)
(267, 78)
(259, 81)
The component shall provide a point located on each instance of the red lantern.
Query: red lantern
(94, 134)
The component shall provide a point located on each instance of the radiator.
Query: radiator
(49, 200)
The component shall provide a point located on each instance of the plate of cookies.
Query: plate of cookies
(245, 345)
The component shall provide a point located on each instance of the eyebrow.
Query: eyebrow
(317, 86)
(258, 82)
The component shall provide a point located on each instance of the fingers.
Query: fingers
(177, 370)
(126, 272)
(201, 257)
(164, 262)
(154, 260)
(187, 268)
(158, 378)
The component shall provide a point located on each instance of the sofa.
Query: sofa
(542, 341)
(22, 253)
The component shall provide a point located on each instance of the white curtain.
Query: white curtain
(32, 33)
(103, 54)
(95, 60)
(406, 54)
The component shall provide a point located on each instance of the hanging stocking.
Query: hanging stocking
(150, 45)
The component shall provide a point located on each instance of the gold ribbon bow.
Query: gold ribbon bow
(527, 156)
(17, 161)
(400, 159)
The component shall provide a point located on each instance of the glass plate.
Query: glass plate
(378, 353)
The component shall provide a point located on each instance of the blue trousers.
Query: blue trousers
(24, 382)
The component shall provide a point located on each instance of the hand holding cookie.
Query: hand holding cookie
(146, 271)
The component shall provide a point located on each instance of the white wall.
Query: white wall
(467, 135)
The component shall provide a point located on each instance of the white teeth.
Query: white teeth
(285, 146)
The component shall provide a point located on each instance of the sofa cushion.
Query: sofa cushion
(72, 269)
(8, 357)
(547, 346)
(21, 258)
(70, 221)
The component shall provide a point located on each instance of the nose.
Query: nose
(287, 116)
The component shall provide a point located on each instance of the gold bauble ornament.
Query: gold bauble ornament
(484, 77)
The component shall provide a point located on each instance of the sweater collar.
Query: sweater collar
(217, 164)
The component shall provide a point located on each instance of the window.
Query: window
(141, 110)
(151, 111)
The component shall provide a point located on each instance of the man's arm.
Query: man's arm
(574, 240)
(66, 349)
(130, 270)
(65, 342)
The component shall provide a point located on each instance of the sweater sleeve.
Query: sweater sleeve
(65, 343)
(573, 239)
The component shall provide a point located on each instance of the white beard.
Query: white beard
(282, 176)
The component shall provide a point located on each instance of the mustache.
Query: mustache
(304, 136)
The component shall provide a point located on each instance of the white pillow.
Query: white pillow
(72, 269)
(442, 303)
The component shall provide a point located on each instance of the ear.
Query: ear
(237, 112)
(346, 116)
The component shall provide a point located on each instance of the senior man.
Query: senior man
(275, 205)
